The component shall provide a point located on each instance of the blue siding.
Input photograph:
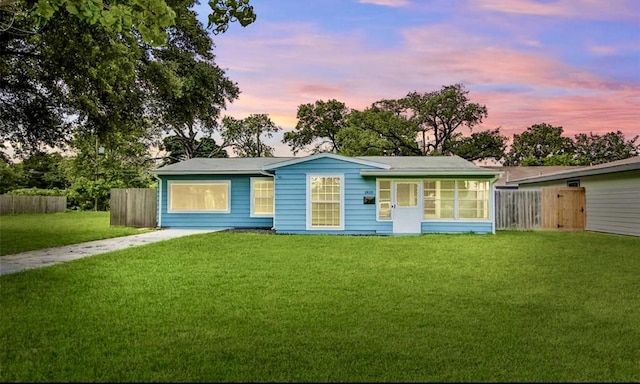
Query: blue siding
(291, 197)
(360, 219)
(457, 227)
(238, 217)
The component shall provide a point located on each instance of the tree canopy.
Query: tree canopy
(67, 67)
(318, 126)
(397, 127)
(544, 144)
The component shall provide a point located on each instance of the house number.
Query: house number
(368, 192)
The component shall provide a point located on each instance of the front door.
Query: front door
(406, 210)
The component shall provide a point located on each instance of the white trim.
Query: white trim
(227, 182)
(427, 173)
(390, 219)
(327, 155)
(308, 201)
(252, 200)
(159, 210)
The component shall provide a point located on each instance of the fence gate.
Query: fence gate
(133, 207)
(563, 208)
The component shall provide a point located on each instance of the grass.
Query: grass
(27, 232)
(517, 306)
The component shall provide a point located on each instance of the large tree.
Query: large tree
(149, 19)
(246, 136)
(377, 132)
(541, 144)
(489, 144)
(440, 114)
(594, 149)
(65, 65)
(318, 126)
(175, 150)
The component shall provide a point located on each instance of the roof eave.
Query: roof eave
(578, 173)
(428, 173)
(196, 172)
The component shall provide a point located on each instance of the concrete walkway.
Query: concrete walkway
(50, 256)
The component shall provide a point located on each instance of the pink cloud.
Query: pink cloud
(289, 65)
(584, 9)
(386, 3)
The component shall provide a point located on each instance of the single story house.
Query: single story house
(612, 192)
(329, 194)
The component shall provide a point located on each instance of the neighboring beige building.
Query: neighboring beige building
(612, 193)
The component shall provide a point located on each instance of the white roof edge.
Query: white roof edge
(323, 155)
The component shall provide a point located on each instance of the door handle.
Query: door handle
(393, 205)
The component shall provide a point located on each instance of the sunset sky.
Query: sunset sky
(569, 63)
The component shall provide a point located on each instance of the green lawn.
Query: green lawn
(26, 232)
(516, 306)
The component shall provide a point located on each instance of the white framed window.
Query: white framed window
(262, 197)
(325, 205)
(439, 199)
(384, 199)
(199, 196)
(456, 199)
(473, 199)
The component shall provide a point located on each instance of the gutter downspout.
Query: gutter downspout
(493, 202)
(272, 175)
(159, 210)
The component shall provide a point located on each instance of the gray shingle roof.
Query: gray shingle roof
(400, 166)
(219, 165)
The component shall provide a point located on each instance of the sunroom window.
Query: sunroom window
(439, 199)
(199, 196)
(325, 200)
(473, 199)
(456, 199)
(262, 196)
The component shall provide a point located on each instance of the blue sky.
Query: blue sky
(569, 63)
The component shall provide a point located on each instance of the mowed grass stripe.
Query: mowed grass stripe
(517, 306)
(28, 232)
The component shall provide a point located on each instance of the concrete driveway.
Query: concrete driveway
(50, 256)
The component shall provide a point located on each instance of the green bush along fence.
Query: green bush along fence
(10, 204)
(133, 207)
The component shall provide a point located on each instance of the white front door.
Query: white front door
(406, 210)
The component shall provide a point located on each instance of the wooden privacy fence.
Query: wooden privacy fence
(133, 207)
(10, 204)
(551, 208)
(518, 209)
(563, 208)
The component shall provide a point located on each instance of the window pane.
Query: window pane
(407, 194)
(325, 201)
(473, 199)
(199, 197)
(262, 197)
(439, 199)
(384, 200)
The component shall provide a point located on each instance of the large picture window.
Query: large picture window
(210, 196)
(325, 202)
(456, 199)
(262, 196)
